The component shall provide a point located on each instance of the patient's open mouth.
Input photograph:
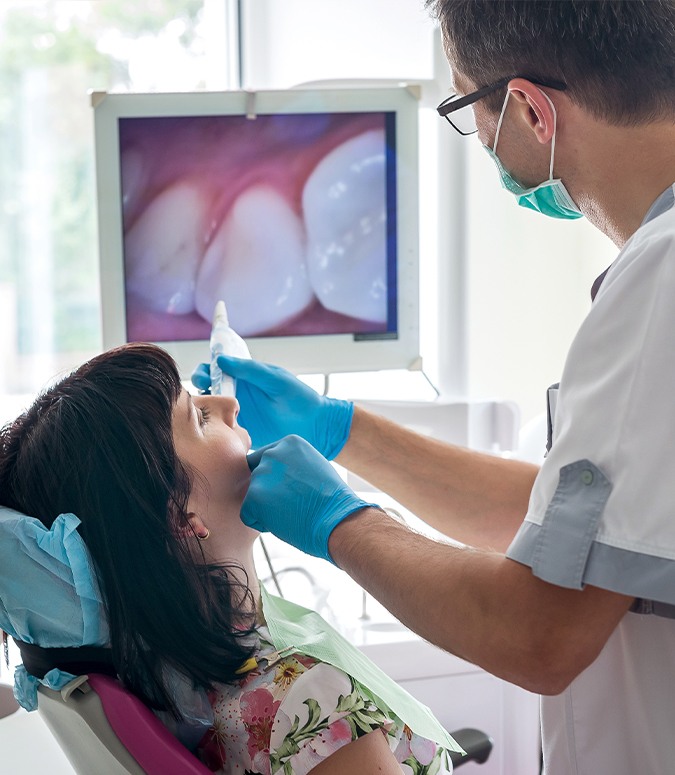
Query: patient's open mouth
(284, 217)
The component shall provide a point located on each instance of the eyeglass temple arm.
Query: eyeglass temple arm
(451, 104)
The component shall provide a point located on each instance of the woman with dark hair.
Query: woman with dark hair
(157, 478)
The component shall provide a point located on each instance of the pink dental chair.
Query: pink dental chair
(102, 728)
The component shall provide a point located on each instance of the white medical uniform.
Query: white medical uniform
(602, 512)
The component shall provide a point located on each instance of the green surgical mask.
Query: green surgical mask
(550, 197)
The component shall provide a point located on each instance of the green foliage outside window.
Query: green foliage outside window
(51, 55)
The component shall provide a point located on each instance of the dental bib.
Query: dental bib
(293, 627)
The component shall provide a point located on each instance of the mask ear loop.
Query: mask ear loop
(501, 118)
(555, 129)
(555, 132)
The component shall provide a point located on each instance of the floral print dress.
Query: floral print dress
(289, 714)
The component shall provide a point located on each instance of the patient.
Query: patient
(157, 478)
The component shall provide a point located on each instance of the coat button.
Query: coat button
(587, 476)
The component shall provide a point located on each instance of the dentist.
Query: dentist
(567, 583)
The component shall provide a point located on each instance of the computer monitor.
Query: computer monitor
(298, 208)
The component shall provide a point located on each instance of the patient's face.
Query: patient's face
(213, 445)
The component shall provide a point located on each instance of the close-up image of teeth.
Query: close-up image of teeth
(284, 217)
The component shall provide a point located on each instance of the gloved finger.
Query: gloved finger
(264, 376)
(250, 521)
(254, 458)
(201, 377)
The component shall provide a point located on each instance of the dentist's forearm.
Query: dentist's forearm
(472, 497)
(477, 604)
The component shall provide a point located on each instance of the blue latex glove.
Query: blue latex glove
(296, 494)
(274, 404)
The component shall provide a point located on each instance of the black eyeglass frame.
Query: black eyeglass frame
(452, 103)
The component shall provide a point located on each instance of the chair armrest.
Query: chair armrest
(477, 745)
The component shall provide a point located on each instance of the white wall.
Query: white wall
(302, 40)
(528, 286)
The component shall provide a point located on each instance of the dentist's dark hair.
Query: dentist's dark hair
(617, 57)
(99, 444)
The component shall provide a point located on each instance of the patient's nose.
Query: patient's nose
(229, 408)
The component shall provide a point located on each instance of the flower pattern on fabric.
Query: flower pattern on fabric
(287, 717)
(258, 709)
(287, 672)
(213, 748)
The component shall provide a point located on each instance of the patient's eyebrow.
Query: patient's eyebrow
(189, 408)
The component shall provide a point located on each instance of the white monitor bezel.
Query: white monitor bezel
(320, 353)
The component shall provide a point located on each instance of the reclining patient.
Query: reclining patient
(156, 478)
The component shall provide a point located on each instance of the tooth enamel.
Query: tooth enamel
(256, 264)
(164, 247)
(345, 218)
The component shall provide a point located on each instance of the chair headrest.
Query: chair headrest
(49, 597)
(48, 592)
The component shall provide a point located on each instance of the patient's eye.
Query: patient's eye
(204, 415)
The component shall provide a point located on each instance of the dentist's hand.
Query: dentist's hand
(275, 404)
(296, 494)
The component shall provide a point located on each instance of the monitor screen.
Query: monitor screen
(297, 208)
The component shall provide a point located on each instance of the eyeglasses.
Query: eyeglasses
(465, 122)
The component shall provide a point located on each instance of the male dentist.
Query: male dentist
(567, 585)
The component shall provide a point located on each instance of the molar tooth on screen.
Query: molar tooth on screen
(344, 202)
(164, 248)
(256, 263)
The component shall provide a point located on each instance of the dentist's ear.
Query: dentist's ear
(534, 107)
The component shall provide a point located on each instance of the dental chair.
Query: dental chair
(103, 728)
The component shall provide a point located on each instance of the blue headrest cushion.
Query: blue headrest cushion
(48, 592)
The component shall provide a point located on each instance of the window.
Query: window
(51, 55)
